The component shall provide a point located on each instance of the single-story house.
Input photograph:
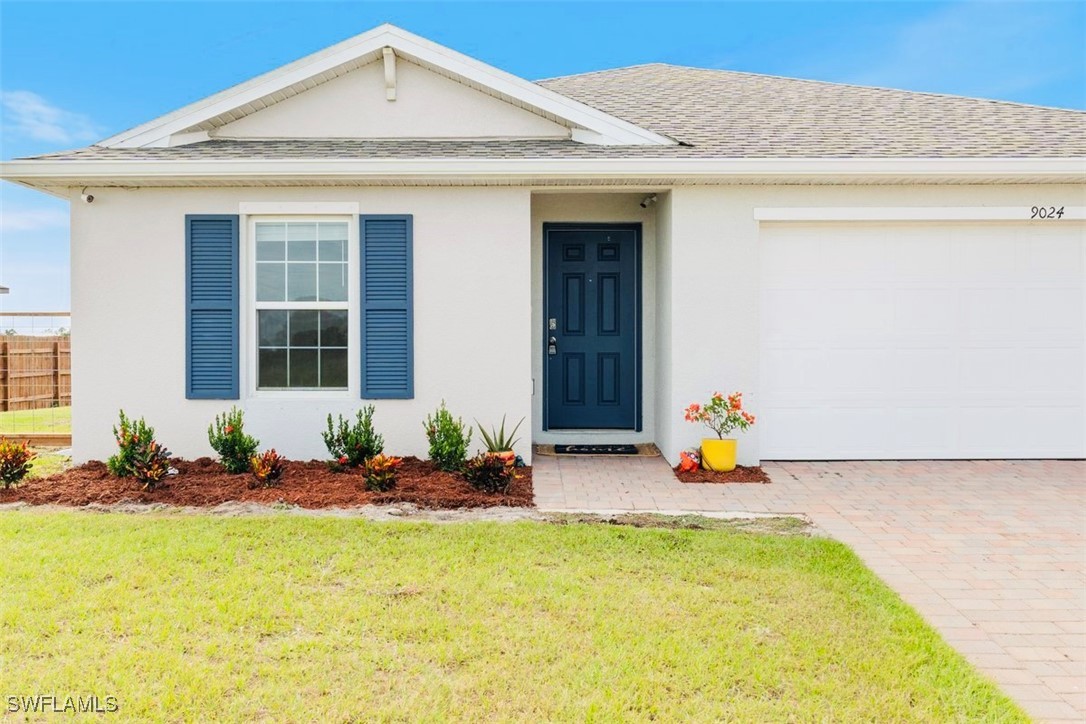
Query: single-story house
(885, 274)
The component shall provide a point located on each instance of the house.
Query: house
(886, 274)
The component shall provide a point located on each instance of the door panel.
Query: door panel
(592, 296)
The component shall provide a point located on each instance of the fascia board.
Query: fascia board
(1073, 169)
(611, 129)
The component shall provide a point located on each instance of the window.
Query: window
(302, 316)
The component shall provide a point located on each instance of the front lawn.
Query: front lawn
(298, 618)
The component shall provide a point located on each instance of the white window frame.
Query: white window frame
(250, 329)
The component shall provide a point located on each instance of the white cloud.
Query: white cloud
(32, 219)
(29, 115)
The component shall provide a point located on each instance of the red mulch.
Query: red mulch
(310, 484)
(741, 474)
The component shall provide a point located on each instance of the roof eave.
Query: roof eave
(40, 172)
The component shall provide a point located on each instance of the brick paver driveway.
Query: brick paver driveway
(992, 553)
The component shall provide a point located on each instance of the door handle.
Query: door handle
(552, 346)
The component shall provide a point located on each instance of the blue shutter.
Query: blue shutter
(211, 307)
(388, 365)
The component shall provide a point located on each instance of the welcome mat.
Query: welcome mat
(595, 449)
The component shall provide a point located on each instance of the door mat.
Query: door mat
(595, 449)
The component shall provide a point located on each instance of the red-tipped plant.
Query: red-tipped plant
(267, 468)
(15, 458)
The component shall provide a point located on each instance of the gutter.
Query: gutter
(38, 172)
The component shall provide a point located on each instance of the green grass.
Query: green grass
(49, 419)
(188, 618)
(48, 462)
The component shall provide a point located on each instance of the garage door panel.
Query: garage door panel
(969, 344)
(857, 370)
(933, 431)
(991, 313)
(922, 311)
(924, 370)
(1054, 311)
(927, 257)
(987, 256)
(1053, 258)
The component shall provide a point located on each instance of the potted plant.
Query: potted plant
(722, 414)
(498, 444)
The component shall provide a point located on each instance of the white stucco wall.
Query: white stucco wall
(472, 318)
(712, 310)
(427, 105)
(478, 304)
(596, 208)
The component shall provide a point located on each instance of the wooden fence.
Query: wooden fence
(35, 372)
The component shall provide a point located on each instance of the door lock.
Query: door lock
(552, 346)
(552, 324)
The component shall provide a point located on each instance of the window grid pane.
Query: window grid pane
(315, 353)
(302, 261)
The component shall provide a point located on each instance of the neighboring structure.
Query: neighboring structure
(886, 274)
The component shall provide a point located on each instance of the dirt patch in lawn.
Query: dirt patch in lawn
(770, 524)
(741, 474)
(203, 483)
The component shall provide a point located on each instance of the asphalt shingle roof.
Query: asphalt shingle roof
(718, 114)
(743, 115)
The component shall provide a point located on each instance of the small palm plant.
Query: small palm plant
(497, 440)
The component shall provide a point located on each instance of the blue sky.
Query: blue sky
(74, 73)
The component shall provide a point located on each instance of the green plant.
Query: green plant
(448, 439)
(721, 413)
(353, 445)
(380, 472)
(139, 455)
(489, 473)
(267, 467)
(227, 437)
(150, 463)
(15, 460)
(496, 440)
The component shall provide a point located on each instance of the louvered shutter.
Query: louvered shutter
(387, 307)
(211, 308)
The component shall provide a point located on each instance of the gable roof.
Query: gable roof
(728, 114)
(192, 122)
(647, 125)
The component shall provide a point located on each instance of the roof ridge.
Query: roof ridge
(839, 84)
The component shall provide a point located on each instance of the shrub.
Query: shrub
(496, 440)
(489, 473)
(139, 455)
(227, 437)
(353, 445)
(133, 436)
(448, 439)
(15, 460)
(380, 472)
(267, 467)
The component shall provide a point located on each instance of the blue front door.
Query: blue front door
(591, 326)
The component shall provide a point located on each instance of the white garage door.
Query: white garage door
(923, 340)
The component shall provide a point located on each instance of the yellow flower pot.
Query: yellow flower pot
(718, 455)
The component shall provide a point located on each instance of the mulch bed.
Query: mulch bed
(203, 483)
(741, 474)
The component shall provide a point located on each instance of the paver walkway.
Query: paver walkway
(992, 553)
